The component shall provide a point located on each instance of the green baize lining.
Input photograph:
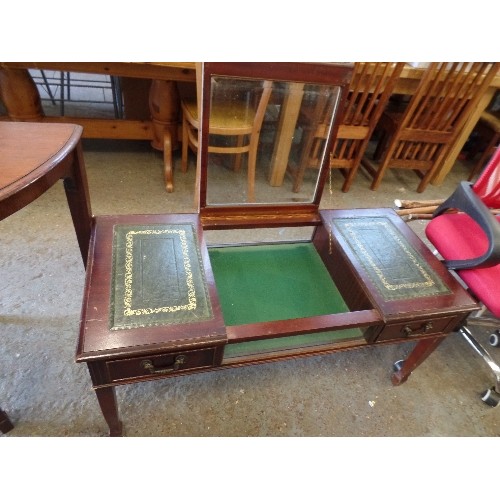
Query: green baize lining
(275, 282)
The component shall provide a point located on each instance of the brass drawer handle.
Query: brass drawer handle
(407, 330)
(147, 364)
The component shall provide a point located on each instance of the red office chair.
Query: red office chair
(469, 241)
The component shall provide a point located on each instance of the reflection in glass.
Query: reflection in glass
(260, 133)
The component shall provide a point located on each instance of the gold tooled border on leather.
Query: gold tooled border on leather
(127, 309)
(394, 267)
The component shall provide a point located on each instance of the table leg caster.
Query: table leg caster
(398, 377)
(398, 365)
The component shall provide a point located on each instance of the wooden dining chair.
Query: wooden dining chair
(370, 88)
(419, 137)
(230, 118)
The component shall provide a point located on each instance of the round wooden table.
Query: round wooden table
(33, 157)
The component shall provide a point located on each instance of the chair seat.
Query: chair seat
(226, 118)
(457, 236)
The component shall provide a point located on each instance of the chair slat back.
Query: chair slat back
(369, 91)
(445, 93)
(370, 88)
(442, 103)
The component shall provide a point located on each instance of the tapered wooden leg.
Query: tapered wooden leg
(185, 140)
(5, 423)
(419, 354)
(107, 401)
(168, 167)
(77, 194)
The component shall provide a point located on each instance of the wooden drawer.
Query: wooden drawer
(161, 365)
(410, 329)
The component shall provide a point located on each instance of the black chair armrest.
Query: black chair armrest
(466, 200)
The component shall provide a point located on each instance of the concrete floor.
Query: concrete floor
(46, 393)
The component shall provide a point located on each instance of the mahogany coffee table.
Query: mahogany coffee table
(175, 294)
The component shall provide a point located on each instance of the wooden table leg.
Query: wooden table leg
(20, 95)
(5, 423)
(164, 108)
(419, 354)
(168, 167)
(107, 401)
(286, 127)
(77, 195)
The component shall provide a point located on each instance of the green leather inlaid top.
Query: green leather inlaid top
(158, 277)
(394, 267)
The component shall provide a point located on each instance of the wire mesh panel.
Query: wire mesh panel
(65, 93)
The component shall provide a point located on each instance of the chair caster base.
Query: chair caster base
(494, 339)
(491, 397)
